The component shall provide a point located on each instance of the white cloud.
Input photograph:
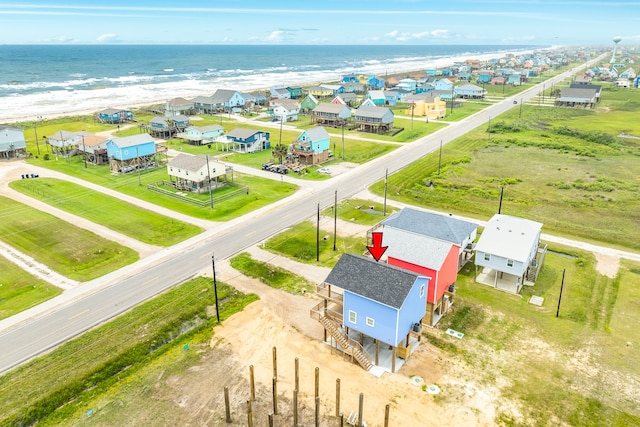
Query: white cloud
(107, 38)
(64, 39)
(275, 36)
(403, 37)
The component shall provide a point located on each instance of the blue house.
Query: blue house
(375, 83)
(312, 146)
(242, 140)
(113, 115)
(201, 135)
(129, 153)
(375, 300)
(443, 84)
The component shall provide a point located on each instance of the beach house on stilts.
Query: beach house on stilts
(371, 311)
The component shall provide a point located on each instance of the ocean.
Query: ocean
(54, 80)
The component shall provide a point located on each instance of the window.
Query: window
(509, 263)
(370, 322)
(421, 291)
(487, 257)
(352, 316)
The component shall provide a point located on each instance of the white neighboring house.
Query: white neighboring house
(507, 253)
(286, 110)
(12, 142)
(63, 141)
(188, 172)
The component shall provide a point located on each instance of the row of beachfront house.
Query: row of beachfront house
(366, 302)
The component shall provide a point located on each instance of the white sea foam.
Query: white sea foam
(135, 90)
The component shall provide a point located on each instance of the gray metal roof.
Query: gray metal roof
(133, 140)
(325, 107)
(577, 95)
(416, 249)
(430, 224)
(373, 280)
(317, 134)
(368, 111)
(242, 133)
(222, 95)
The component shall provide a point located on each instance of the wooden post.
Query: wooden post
(337, 397)
(297, 369)
(335, 219)
(318, 236)
(275, 395)
(317, 416)
(270, 420)
(249, 414)
(560, 296)
(360, 409)
(393, 359)
(317, 388)
(295, 408)
(386, 415)
(252, 383)
(275, 364)
(377, 348)
(227, 409)
(341, 420)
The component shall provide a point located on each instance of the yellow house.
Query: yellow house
(320, 92)
(432, 108)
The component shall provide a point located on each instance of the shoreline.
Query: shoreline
(103, 102)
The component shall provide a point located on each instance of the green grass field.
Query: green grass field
(276, 277)
(83, 368)
(556, 166)
(130, 220)
(71, 251)
(19, 290)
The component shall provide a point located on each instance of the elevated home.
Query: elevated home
(12, 143)
(469, 91)
(308, 103)
(349, 78)
(178, 106)
(197, 174)
(320, 92)
(347, 98)
(366, 303)
(129, 153)
(280, 93)
(94, 149)
(295, 92)
(377, 97)
(375, 83)
(509, 253)
(353, 87)
(429, 244)
(201, 135)
(63, 142)
(227, 100)
(243, 140)
(329, 114)
(484, 76)
(204, 105)
(159, 127)
(286, 110)
(180, 122)
(312, 146)
(444, 85)
(115, 116)
(335, 89)
(408, 84)
(597, 88)
(426, 105)
(373, 119)
(515, 79)
(577, 98)
(391, 97)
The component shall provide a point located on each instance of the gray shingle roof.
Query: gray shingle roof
(242, 133)
(133, 140)
(433, 225)
(188, 162)
(373, 280)
(325, 107)
(368, 111)
(317, 134)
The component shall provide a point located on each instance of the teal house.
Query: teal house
(129, 153)
(312, 146)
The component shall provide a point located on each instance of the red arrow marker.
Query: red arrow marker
(377, 250)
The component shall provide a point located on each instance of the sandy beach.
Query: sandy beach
(56, 104)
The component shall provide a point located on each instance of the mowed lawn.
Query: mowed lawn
(19, 290)
(71, 251)
(130, 220)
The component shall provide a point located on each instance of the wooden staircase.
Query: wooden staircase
(349, 346)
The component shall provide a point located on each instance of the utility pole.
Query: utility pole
(84, 152)
(318, 236)
(335, 219)
(440, 158)
(209, 176)
(560, 296)
(215, 285)
(35, 130)
(386, 179)
(343, 141)
(520, 115)
(138, 160)
(500, 204)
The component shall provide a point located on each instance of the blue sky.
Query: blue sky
(423, 22)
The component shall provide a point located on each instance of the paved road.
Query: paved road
(131, 286)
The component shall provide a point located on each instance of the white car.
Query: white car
(324, 170)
